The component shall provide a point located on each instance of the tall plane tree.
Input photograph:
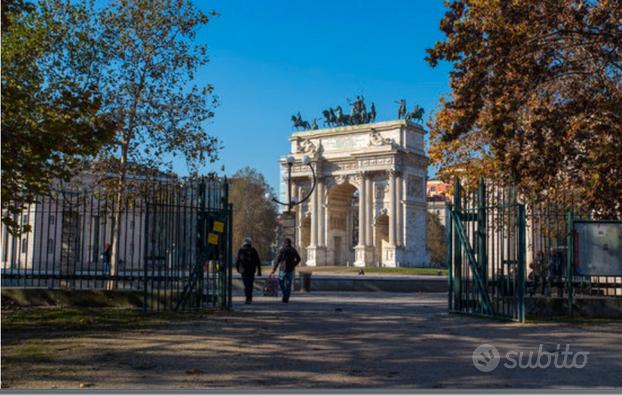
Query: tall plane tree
(152, 60)
(536, 97)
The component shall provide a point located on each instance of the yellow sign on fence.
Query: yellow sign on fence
(219, 226)
(212, 238)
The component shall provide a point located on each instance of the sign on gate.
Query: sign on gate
(598, 248)
(212, 238)
(219, 226)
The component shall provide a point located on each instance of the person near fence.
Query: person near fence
(286, 262)
(555, 270)
(247, 263)
(538, 277)
(106, 255)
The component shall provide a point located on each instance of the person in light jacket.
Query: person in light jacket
(286, 262)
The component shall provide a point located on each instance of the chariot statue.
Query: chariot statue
(342, 119)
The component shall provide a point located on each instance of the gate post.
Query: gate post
(146, 259)
(450, 268)
(457, 278)
(521, 262)
(481, 232)
(201, 250)
(569, 258)
(228, 251)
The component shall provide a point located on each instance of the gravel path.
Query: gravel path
(320, 340)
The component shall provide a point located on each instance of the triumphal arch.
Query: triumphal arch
(369, 204)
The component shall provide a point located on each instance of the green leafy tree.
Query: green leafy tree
(151, 58)
(535, 101)
(52, 117)
(253, 215)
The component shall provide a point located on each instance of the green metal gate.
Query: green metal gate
(187, 248)
(486, 257)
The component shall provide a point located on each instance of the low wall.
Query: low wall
(363, 283)
(587, 307)
(30, 297)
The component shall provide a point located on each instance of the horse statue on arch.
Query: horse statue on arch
(336, 117)
(330, 119)
(416, 115)
(299, 123)
(342, 119)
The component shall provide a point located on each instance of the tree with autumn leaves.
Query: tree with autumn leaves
(254, 216)
(536, 98)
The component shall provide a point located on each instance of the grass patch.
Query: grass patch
(28, 351)
(83, 318)
(425, 271)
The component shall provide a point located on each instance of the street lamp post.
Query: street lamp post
(290, 201)
(288, 219)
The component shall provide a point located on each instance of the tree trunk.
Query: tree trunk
(119, 206)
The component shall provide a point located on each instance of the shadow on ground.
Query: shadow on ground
(319, 340)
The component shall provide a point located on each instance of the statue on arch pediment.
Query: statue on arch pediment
(376, 139)
(305, 146)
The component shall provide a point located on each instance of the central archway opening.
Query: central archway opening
(342, 221)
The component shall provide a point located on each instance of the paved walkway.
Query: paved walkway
(327, 340)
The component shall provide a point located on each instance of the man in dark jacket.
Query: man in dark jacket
(246, 264)
(286, 262)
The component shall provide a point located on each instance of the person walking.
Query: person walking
(246, 264)
(105, 256)
(286, 262)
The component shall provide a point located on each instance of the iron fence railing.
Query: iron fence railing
(504, 249)
(80, 236)
(552, 270)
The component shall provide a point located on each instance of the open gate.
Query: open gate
(486, 257)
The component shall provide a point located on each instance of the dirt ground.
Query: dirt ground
(318, 340)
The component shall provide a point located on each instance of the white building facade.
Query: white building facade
(369, 204)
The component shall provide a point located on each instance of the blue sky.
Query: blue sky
(270, 59)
